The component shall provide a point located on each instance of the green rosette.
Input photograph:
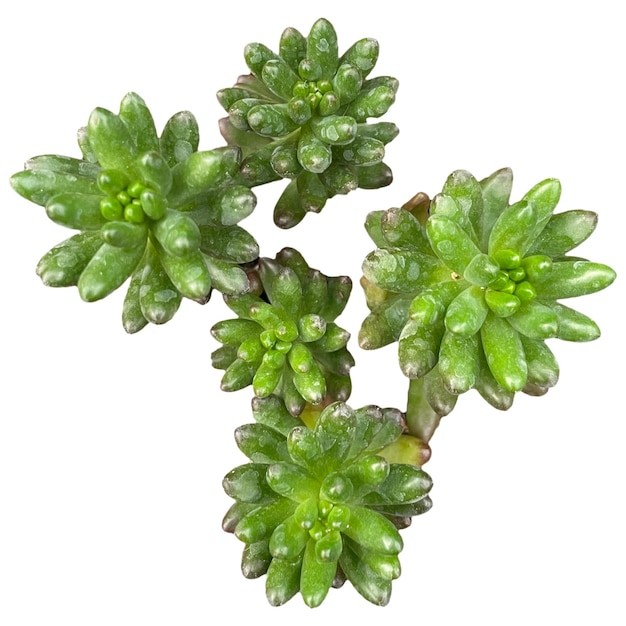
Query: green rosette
(302, 114)
(316, 506)
(469, 285)
(151, 209)
(285, 341)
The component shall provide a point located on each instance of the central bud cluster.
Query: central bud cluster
(513, 284)
(129, 200)
(330, 519)
(319, 95)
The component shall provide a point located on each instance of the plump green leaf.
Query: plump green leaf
(568, 279)
(107, 270)
(62, 265)
(504, 353)
(138, 119)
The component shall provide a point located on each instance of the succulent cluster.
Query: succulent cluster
(149, 208)
(285, 341)
(318, 506)
(470, 287)
(302, 114)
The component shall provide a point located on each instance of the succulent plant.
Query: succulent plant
(471, 292)
(321, 504)
(285, 341)
(151, 209)
(303, 113)
(469, 285)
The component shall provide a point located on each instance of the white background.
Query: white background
(112, 447)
